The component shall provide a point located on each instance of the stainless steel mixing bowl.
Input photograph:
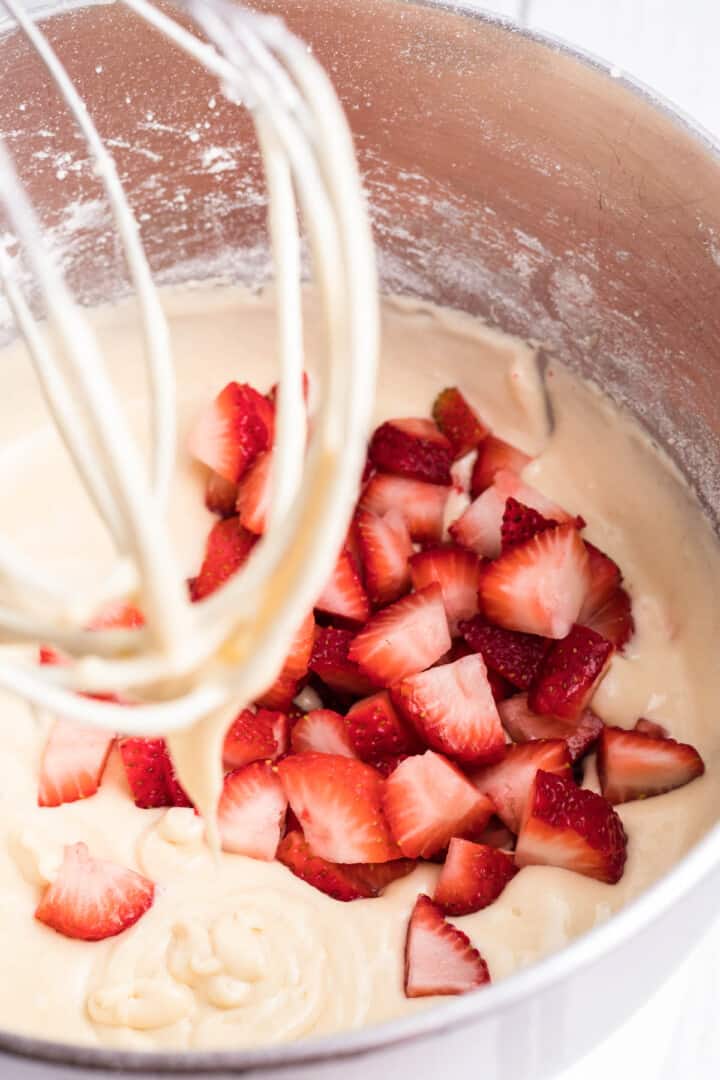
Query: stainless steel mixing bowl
(509, 177)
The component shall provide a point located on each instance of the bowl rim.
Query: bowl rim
(447, 1016)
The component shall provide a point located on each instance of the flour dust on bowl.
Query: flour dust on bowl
(518, 194)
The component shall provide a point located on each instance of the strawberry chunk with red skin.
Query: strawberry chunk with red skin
(376, 730)
(377, 876)
(421, 505)
(523, 725)
(251, 811)
(633, 765)
(337, 801)
(500, 687)
(414, 448)
(537, 587)
(385, 546)
(457, 572)
(297, 663)
(227, 548)
(651, 727)
(253, 494)
(472, 877)
(613, 620)
(570, 673)
(458, 421)
(521, 523)
(260, 735)
(604, 578)
(453, 709)
(404, 638)
(331, 663)
(324, 731)
(572, 828)
(333, 879)
(145, 762)
(344, 595)
(493, 456)
(508, 783)
(73, 762)
(92, 899)
(427, 801)
(220, 495)
(439, 958)
(512, 654)
(232, 430)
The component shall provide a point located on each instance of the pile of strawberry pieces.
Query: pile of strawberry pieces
(435, 704)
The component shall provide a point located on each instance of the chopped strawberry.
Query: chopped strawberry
(633, 765)
(231, 431)
(508, 783)
(570, 673)
(297, 663)
(439, 958)
(73, 762)
(458, 574)
(458, 421)
(572, 828)
(331, 663)
(342, 881)
(251, 811)
(421, 505)
(500, 687)
(537, 587)
(252, 500)
(92, 899)
(118, 615)
(472, 877)
(255, 736)
(344, 595)
(453, 709)
(427, 801)
(493, 456)
(521, 523)
(377, 876)
(385, 546)
(150, 773)
(337, 801)
(614, 619)
(227, 548)
(220, 495)
(177, 796)
(404, 638)
(324, 731)
(514, 655)
(651, 727)
(523, 725)
(413, 448)
(377, 732)
(386, 764)
(604, 578)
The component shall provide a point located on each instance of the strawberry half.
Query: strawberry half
(344, 594)
(73, 762)
(251, 811)
(458, 421)
(521, 523)
(515, 656)
(613, 620)
(403, 638)
(633, 765)
(508, 783)
(537, 587)
(330, 661)
(324, 731)
(261, 735)
(493, 456)
(345, 882)
(421, 505)
(439, 958)
(457, 572)
(453, 709)
(252, 498)
(385, 546)
(570, 673)
(220, 495)
(297, 664)
(427, 801)
(231, 431)
(227, 548)
(377, 732)
(572, 828)
(472, 877)
(523, 726)
(92, 899)
(414, 448)
(150, 773)
(337, 801)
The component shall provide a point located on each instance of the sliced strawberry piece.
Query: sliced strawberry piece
(255, 736)
(537, 587)
(458, 421)
(403, 638)
(177, 796)
(251, 811)
(572, 828)
(493, 456)
(252, 501)
(73, 762)
(387, 763)
(570, 673)
(344, 594)
(324, 731)
(472, 877)
(227, 548)
(333, 879)
(509, 782)
(331, 663)
(92, 899)
(453, 709)
(515, 656)
(377, 732)
(521, 523)
(633, 765)
(220, 495)
(427, 801)
(613, 620)
(604, 578)
(377, 876)
(118, 615)
(651, 727)
(457, 572)
(231, 431)
(523, 725)
(421, 505)
(145, 762)
(439, 958)
(337, 801)
(385, 546)
(280, 695)
(415, 448)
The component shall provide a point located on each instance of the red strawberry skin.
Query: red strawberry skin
(230, 433)
(150, 773)
(633, 765)
(458, 421)
(404, 638)
(472, 877)
(377, 731)
(414, 448)
(439, 958)
(508, 783)
(521, 523)
(255, 736)
(331, 662)
(324, 731)
(614, 620)
(495, 455)
(515, 656)
(572, 828)
(570, 673)
(251, 811)
(523, 725)
(422, 505)
(457, 572)
(342, 881)
(73, 763)
(227, 548)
